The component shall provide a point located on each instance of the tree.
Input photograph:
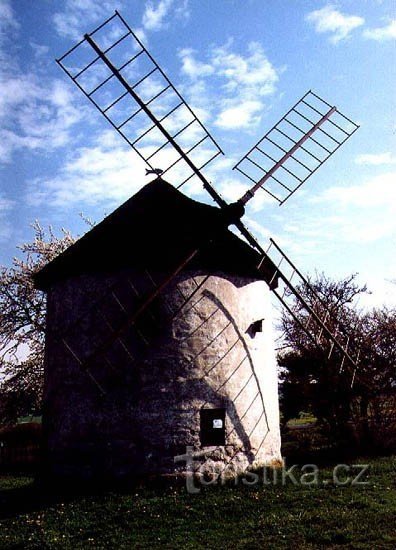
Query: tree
(22, 325)
(375, 407)
(311, 381)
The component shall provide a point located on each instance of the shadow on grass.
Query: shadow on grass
(21, 494)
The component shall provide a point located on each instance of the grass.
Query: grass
(270, 516)
(303, 420)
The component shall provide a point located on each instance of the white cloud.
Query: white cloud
(7, 16)
(247, 79)
(365, 213)
(258, 229)
(376, 159)
(244, 115)
(378, 191)
(35, 114)
(101, 174)
(182, 9)
(140, 33)
(253, 73)
(40, 51)
(8, 30)
(376, 228)
(382, 291)
(232, 189)
(243, 81)
(72, 21)
(6, 206)
(345, 226)
(156, 16)
(388, 32)
(153, 17)
(329, 20)
(193, 68)
(14, 90)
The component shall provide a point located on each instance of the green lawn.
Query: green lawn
(270, 516)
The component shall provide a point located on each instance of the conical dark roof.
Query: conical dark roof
(156, 228)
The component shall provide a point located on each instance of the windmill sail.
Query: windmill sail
(118, 75)
(319, 323)
(304, 138)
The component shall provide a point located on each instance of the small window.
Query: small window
(255, 327)
(212, 427)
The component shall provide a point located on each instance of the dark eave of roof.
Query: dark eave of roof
(156, 229)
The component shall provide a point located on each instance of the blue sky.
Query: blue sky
(240, 65)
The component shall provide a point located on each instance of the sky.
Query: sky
(240, 65)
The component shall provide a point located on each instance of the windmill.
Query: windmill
(122, 80)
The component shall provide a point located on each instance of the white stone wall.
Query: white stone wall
(201, 356)
(236, 370)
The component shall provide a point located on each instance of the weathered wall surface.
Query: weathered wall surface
(157, 373)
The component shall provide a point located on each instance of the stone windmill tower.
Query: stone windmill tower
(159, 319)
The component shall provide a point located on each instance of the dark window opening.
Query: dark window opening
(255, 327)
(212, 427)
